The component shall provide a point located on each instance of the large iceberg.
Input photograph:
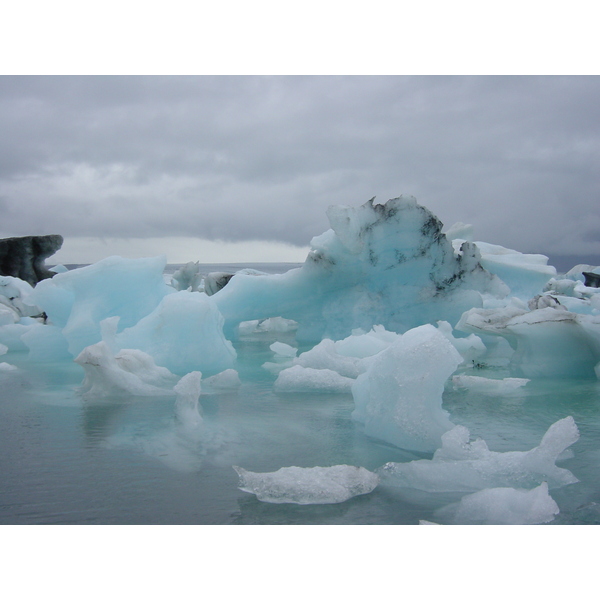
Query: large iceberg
(379, 264)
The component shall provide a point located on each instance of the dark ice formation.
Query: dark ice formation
(214, 282)
(24, 257)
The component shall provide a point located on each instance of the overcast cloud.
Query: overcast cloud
(260, 158)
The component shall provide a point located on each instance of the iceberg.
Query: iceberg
(305, 379)
(484, 385)
(502, 506)
(77, 301)
(399, 397)
(130, 372)
(315, 485)
(464, 466)
(183, 333)
(379, 264)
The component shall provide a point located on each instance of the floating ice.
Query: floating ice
(464, 466)
(183, 333)
(130, 372)
(547, 342)
(483, 385)
(470, 348)
(399, 397)
(525, 274)
(502, 506)
(226, 380)
(325, 356)
(187, 277)
(282, 349)
(316, 485)
(78, 300)
(305, 379)
(380, 264)
(186, 405)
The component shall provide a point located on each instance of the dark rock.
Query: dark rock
(24, 257)
(591, 279)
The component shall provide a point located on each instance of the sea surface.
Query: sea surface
(125, 461)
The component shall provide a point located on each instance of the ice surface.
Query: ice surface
(525, 274)
(282, 349)
(306, 379)
(464, 466)
(78, 300)
(187, 277)
(315, 485)
(183, 333)
(188, 391)
(130, 372)
(399, 397)
(548, 342)
(484, 385)
(502, 506)
(226, 380)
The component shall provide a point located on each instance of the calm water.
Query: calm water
(126, 461)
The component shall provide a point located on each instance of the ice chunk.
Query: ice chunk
(184, 333)
(78, 300)
(470, 348)
(186, 405)
(305, 379)
(187, 277)
(316, 485)
(128, 372)
(325, 356)
(525, 274)
(483, 385)
(226, 380)
(3, 349)
(502, 506)
(547, 342)
(46, 343)
(464, 466)
(283, 349)
(6, 367)
(399, 397)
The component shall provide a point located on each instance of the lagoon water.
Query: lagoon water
(64, 460)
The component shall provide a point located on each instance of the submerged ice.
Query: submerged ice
(387, 311)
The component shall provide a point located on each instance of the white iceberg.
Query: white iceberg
(502, 506)
(129, 372)
(314, 485)
(464, 466)
(305, 379)
(399, 397)
(484, 385)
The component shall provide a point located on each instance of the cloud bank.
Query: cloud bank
(258, 159)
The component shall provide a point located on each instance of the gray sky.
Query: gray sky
(141, 166)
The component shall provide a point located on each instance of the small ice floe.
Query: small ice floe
(223, 381)
(285, 350)
(186, 405)
(127, 372)
(464, 466)
(304, 379)
(315, 485)
(502, 506)
(483, 385)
